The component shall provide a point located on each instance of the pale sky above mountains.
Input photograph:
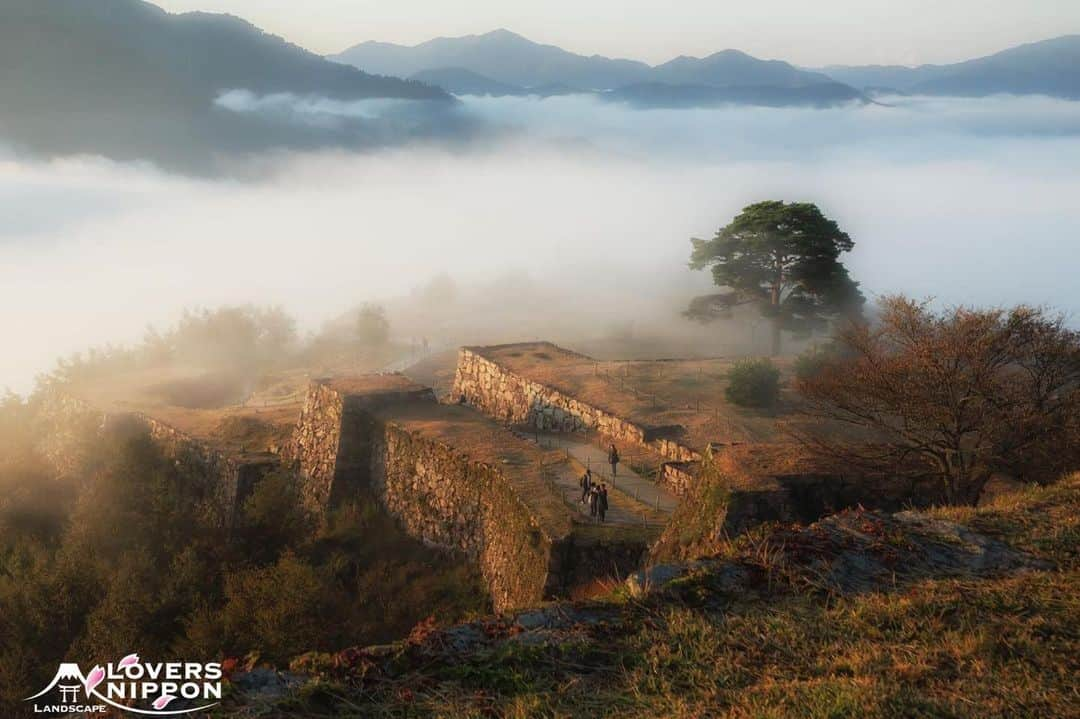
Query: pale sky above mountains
(806, 33)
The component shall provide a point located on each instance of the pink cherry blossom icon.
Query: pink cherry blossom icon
(95, 677)
(163, 701)
(128, 661)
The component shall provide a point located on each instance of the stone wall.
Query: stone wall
(314, 447)
(70, 425)
(343, 449)
(447, 499)
(679, 477)
(344, 446)
(329, 447)
(443, 498)
(511, 398)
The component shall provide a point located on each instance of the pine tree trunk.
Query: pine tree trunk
(774, 300)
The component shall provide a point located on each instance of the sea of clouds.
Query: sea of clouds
(966, 200)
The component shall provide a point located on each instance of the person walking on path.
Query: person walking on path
(613, 459)
(594, 500)
(601, 501)
(586, 484)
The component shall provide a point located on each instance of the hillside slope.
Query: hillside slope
(123, 77)
(460, 81)
(1049, 67)
(960, 613)
(732, 68)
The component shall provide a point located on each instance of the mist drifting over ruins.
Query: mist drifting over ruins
(549, 359)
(94, 250)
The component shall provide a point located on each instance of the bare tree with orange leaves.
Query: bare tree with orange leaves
(962, 394)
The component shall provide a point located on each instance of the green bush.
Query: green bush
(284, 609)
(810, 363)
(753, 383)
(273, 518)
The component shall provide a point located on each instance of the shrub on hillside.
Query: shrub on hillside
(961, 394)
(274, 518)
(284, 609)
(124, 550)
(810, 363)
(753, 383)
(372, 327)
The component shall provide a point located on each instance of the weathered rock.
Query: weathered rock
(853, 552)
(266, 685)
(649, 579)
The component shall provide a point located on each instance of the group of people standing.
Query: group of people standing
(595, 495)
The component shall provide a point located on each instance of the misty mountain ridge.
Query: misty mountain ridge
(130, 81)
(506, 57)
(504, 63)
(459, 81)
(734, 68)
(1048, 67)
(501, 57)
(127, 79)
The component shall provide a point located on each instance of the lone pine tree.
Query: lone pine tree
(783, 257)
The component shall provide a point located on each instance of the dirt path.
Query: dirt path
(627, 481)
(632, 499)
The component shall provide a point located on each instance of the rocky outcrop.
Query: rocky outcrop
(741, 487)
(853, 552)
(511, 398)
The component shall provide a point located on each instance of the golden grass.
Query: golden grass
(980, 648)
(657, 393)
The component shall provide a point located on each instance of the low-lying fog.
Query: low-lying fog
(573, 213)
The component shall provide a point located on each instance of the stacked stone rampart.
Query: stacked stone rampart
(227, 479)
(331, 446)
(498, 516)
(509, 397)
(444, 498)
(679, 477)
(72, 425)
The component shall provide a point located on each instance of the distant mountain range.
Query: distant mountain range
(503, 63)
(127, 79)
(501, 56)
(1050, 67)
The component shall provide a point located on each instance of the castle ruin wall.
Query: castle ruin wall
(511, 398)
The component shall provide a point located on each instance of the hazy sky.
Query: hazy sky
(802, 31)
